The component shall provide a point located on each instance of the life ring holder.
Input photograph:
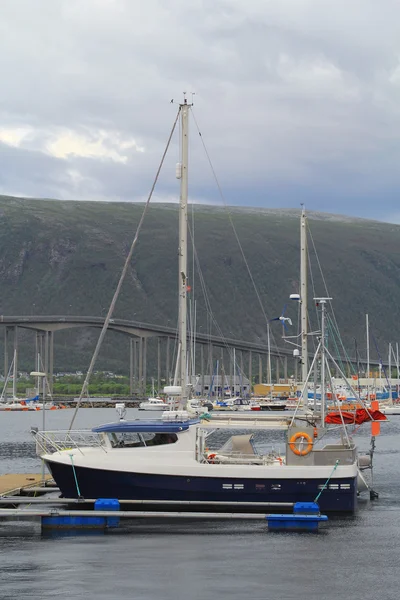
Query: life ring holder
(295, 448)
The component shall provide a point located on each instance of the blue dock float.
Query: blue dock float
(71, 515)
(86, 522)
(306, 517)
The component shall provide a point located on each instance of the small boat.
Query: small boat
(235, 404)
(16, 405)
(272, 404)
(390, 409)
(154, 404)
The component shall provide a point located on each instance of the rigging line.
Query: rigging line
(332, 332)
(313, 288)
(192, 296)
(333, 338)
(337, 332)
(210, 313)
(380, 357)
(358, 366)
(323, 279)
(232, 225)
(122, 277)
(206, 297)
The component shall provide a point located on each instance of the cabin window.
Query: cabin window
(126, 440)
(159, 439)
(136, 440)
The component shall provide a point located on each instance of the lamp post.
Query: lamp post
(41, 375)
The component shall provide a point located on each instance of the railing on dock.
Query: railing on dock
(49, 442)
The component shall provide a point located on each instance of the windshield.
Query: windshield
(136, 440)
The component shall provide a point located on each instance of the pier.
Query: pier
(16, 484)
(74, 514)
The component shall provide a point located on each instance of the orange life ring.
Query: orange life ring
(302, 436)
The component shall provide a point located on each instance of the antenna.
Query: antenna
(185, 101)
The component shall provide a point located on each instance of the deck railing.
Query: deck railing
(49, 442)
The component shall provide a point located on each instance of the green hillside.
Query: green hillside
(61, 257)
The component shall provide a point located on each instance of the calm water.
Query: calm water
(355, 558)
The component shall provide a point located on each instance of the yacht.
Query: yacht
(174, 459)
(179, 458)
(154, 404)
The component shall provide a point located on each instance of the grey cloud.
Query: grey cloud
(295, 99)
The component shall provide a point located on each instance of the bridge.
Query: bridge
(139, 334)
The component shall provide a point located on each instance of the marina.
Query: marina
(169, 458)
(210, 549)
(199, 266)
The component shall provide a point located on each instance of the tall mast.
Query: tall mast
(322, 302)
(269, 362)
(390, 374)
(368, 367)
(323, 394)
(183, 220)
(15, 375)
(303, 297)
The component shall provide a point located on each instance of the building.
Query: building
(221, 386)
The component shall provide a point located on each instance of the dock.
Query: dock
(17, 484)
(25, 496)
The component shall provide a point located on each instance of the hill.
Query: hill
(65, 257)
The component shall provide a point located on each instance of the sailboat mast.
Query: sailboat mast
(183, 223)
(390, 374)
(269, 362)
(303, 297)
(15, 375)
(368, 366)
(323, 358)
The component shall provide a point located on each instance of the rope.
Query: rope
(328, 480)
(332, 332)
(314, 294)
(75, 477)
(234, 229)
(121, 279)
(380, 357)
(206, 296)
(324, 282)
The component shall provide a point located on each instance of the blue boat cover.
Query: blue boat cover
(139, 426)
(32, 399)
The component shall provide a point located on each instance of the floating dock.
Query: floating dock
(73, 514)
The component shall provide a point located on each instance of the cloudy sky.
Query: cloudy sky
(297, 100)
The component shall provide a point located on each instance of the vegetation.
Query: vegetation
(72, 385)
(65, 258)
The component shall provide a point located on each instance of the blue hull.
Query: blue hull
(97, 483)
